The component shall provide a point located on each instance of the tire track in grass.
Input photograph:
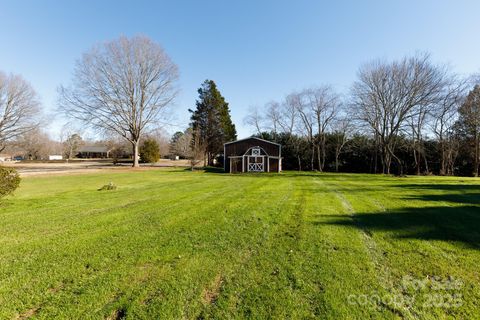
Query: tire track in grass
(273, 262)
(383, 273)
(173, 221)
(334, 253)
(248, 260)
(214, 289)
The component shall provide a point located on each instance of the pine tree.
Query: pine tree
(211, 120)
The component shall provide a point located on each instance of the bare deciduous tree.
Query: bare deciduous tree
(342, 132)
(387, 95)
(181, 143)
(123, 86)
(324, 103)
(273, 117)
(444, 115)
(303, 103)
(71, 138)
(19, 108)
(254, 119)
(196, 151)
(71, 145)
(288, 115)
(317, 108)
(417, 123)
(289, 122)
(36, 144)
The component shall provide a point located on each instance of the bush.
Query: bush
(9, 181)
(150, 151)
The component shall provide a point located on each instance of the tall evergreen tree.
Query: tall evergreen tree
(211, 120)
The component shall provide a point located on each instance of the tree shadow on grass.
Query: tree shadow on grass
(213, 170)
(471, 198)
(204, 169)
(458, 187)
(459, 193)
(453, 224)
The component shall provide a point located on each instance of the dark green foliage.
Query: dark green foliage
(468, 126)
(174, 141)
(9, 181)
(149, 151)
(359, 154)
(176, 137)
(181, 144)
(211, 120)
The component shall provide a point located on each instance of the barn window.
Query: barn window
(255, 151)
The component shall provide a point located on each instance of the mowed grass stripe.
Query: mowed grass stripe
(194, 200)
(115, 215)
(347, 244)
(406, 256)
(176, 244)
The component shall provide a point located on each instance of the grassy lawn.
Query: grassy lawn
(176, 244)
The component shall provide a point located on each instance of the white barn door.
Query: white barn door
(255, 163)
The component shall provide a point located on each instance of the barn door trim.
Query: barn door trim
(256, 166)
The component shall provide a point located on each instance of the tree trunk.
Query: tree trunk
(319, 158)
(399, 162)
(336, 161)
(386, 160)
(427, 168)
(324, 154)
(443, 164)
(416, 157)
(135, 154)
(312, 159)
(375, 154)
(210, 159)
(477, 155)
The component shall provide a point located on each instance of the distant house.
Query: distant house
(55, 157)
(93, 152)
(252, 155)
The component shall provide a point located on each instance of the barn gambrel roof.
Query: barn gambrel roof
(278, 144)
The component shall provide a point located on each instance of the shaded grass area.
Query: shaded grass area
(199, 245)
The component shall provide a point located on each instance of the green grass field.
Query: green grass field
(175, 244)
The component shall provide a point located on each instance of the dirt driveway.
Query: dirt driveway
(75, 167)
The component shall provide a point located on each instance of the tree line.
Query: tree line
(405, 116)
(120, 89)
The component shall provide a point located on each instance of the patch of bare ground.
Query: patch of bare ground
(28, 169)
(210, 294)
(27, 314)
(117, 314)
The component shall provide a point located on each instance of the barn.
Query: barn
(252, 155)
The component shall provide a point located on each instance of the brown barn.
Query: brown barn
(252, 155)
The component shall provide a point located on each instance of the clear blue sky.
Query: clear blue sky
(256, 51)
